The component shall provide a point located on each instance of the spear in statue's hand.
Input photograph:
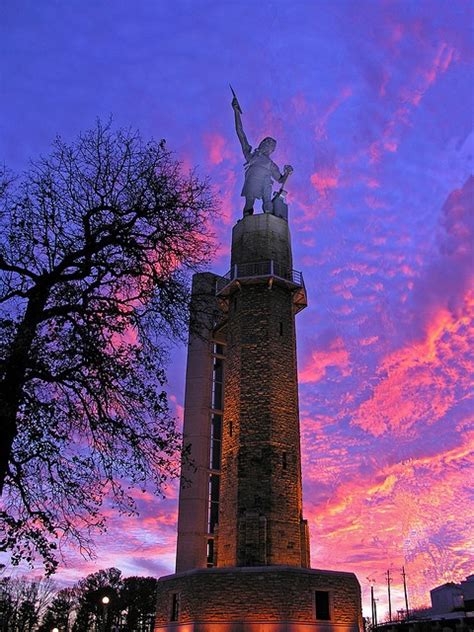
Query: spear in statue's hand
(235, 100)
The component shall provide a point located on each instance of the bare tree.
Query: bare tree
(96, 244)
(23, 602)
(60, 611)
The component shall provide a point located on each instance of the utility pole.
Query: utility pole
(372, 602)
(405, 589)
(389, 581)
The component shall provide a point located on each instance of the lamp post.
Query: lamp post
(375, 612)
(371, 581)
(105, 603)
(55, 630)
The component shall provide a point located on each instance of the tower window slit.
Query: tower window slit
(214, 485)
(216, 442)
(284, 461)
(210, 552)
(218, 348)
(217, 383)
(281, 329)
(174, 615)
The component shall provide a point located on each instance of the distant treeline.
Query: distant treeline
(101, 602)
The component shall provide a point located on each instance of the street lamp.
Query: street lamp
(105, 603)
(55, 630)
(371, 581)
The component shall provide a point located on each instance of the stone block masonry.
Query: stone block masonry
(261, 469)
(267, 599)
(260, 517)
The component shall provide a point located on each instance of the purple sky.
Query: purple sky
(372, 103)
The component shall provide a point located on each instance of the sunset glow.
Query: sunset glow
(371, 102)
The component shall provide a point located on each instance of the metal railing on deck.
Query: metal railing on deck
(268, 268)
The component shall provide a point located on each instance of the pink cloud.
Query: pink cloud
(179, 409)
(299, 104)
(333, 355)
(373, 183)
(368, 341)
(384, 83)
(127, 337)
(217, 148)
(374, 203)
(442, 60)
(400, 514)
(419, 382)
(424, 76)
(344, 288)
(364, 269)
(343, 310)
(448, 279)
(325, 179)
(320, 128)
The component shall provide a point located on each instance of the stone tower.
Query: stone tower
(243, 545)
(260, 517)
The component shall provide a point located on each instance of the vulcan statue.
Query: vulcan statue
(260, 170)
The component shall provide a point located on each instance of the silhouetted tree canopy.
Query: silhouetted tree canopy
(132, 602)
(138, 599)
(97, 242)
(90, 592)
(37, 605)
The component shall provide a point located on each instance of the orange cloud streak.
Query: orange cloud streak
(335, 355)
(402, 514)
(419, 382)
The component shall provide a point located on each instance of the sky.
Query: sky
(371, 102)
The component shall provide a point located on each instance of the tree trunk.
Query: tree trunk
(16, 365)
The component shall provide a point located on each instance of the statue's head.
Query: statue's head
(267, 146)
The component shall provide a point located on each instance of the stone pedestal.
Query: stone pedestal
(258, 599)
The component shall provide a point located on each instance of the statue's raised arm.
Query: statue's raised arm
(260, 170)
(246, 147)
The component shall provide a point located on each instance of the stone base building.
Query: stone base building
(260, 599)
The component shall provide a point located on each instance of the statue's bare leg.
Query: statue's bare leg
(248, 208)
(267, 203)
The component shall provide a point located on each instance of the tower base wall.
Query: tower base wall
(245, 626)
(258, 599)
